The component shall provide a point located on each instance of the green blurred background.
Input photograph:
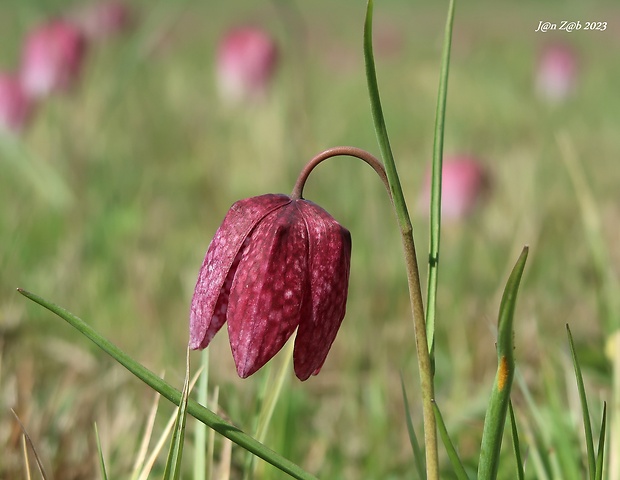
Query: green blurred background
(109, 201)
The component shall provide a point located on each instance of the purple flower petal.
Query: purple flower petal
(329, 257)
(209, 303)
(270, 291)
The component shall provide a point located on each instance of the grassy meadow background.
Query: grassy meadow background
(109, 201)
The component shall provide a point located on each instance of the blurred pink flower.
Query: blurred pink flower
(276, 263)
(103, 19)
(246, 62)
(15, 106)
(52, 58)
(464, 181)
(556, 72)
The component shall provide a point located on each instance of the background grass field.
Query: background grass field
(109, 201)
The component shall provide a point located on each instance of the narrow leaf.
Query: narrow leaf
(600, 454)
(435, 214)
(104, 475)
(459, 470)
(418, 456)
(200, 429)
(194, 409)
(587, 425)
(497, 409)
(175, 455)
(380, 129)
(515, 443)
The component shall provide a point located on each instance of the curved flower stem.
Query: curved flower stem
(413, 277)
(370, 159)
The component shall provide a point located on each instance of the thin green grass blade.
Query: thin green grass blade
(274, 390)
(193, 408)
(600, 454)
(515, 443)
(459, 470)
(200, 429)
(418, 455)
(379, 122)
(104, 475)
(497, 409)
(175, 455)
(435, 214)
(587, 425)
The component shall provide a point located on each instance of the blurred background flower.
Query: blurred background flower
(52, 58)
(15, 105)
(556, 72)
(102, 20)
(247, 58)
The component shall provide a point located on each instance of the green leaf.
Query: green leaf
(600, 454)
(418, 456)
(175, 455)
(457, 465)
(194, 409)
(104, 475)
(515, 443)
(587, 425)
(497, 409)
(435, 214)
(200, 429)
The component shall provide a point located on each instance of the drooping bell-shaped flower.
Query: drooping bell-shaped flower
(276, 263)
(246, 63)
(556, 72)
(103, 19)
(464, 182)
(15, 106)
(52, 57)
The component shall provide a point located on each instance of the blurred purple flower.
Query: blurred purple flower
(464, 181)
(15, 106)
(246, 62)
(276, 263)
(556, 72)
(103, 19)
(52, 58)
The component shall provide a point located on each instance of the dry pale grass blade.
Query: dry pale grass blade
(222, 471)
(146, 438)
(148, 466)
(31, 445)
(26, 459)
(210, 451)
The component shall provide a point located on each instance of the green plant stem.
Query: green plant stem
(411, 261)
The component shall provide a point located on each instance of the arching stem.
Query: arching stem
(370, 159)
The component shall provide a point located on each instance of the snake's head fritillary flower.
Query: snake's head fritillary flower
(104, 19)
(247, 58)
(464, 182)
(15, 106)
(52, 58)
(556, 72)
(276, 263)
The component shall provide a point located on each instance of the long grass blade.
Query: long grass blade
(193, 408)
(587, 425)
(175, 455)
(200, 429)
(104, 474)
(418, 455)
(457, 465)
(435, 214)
(600, 454)
(497, 409)
(515, 443)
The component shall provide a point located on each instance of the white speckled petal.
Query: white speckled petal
(270, 291)
(329, 264)
(210, 300)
